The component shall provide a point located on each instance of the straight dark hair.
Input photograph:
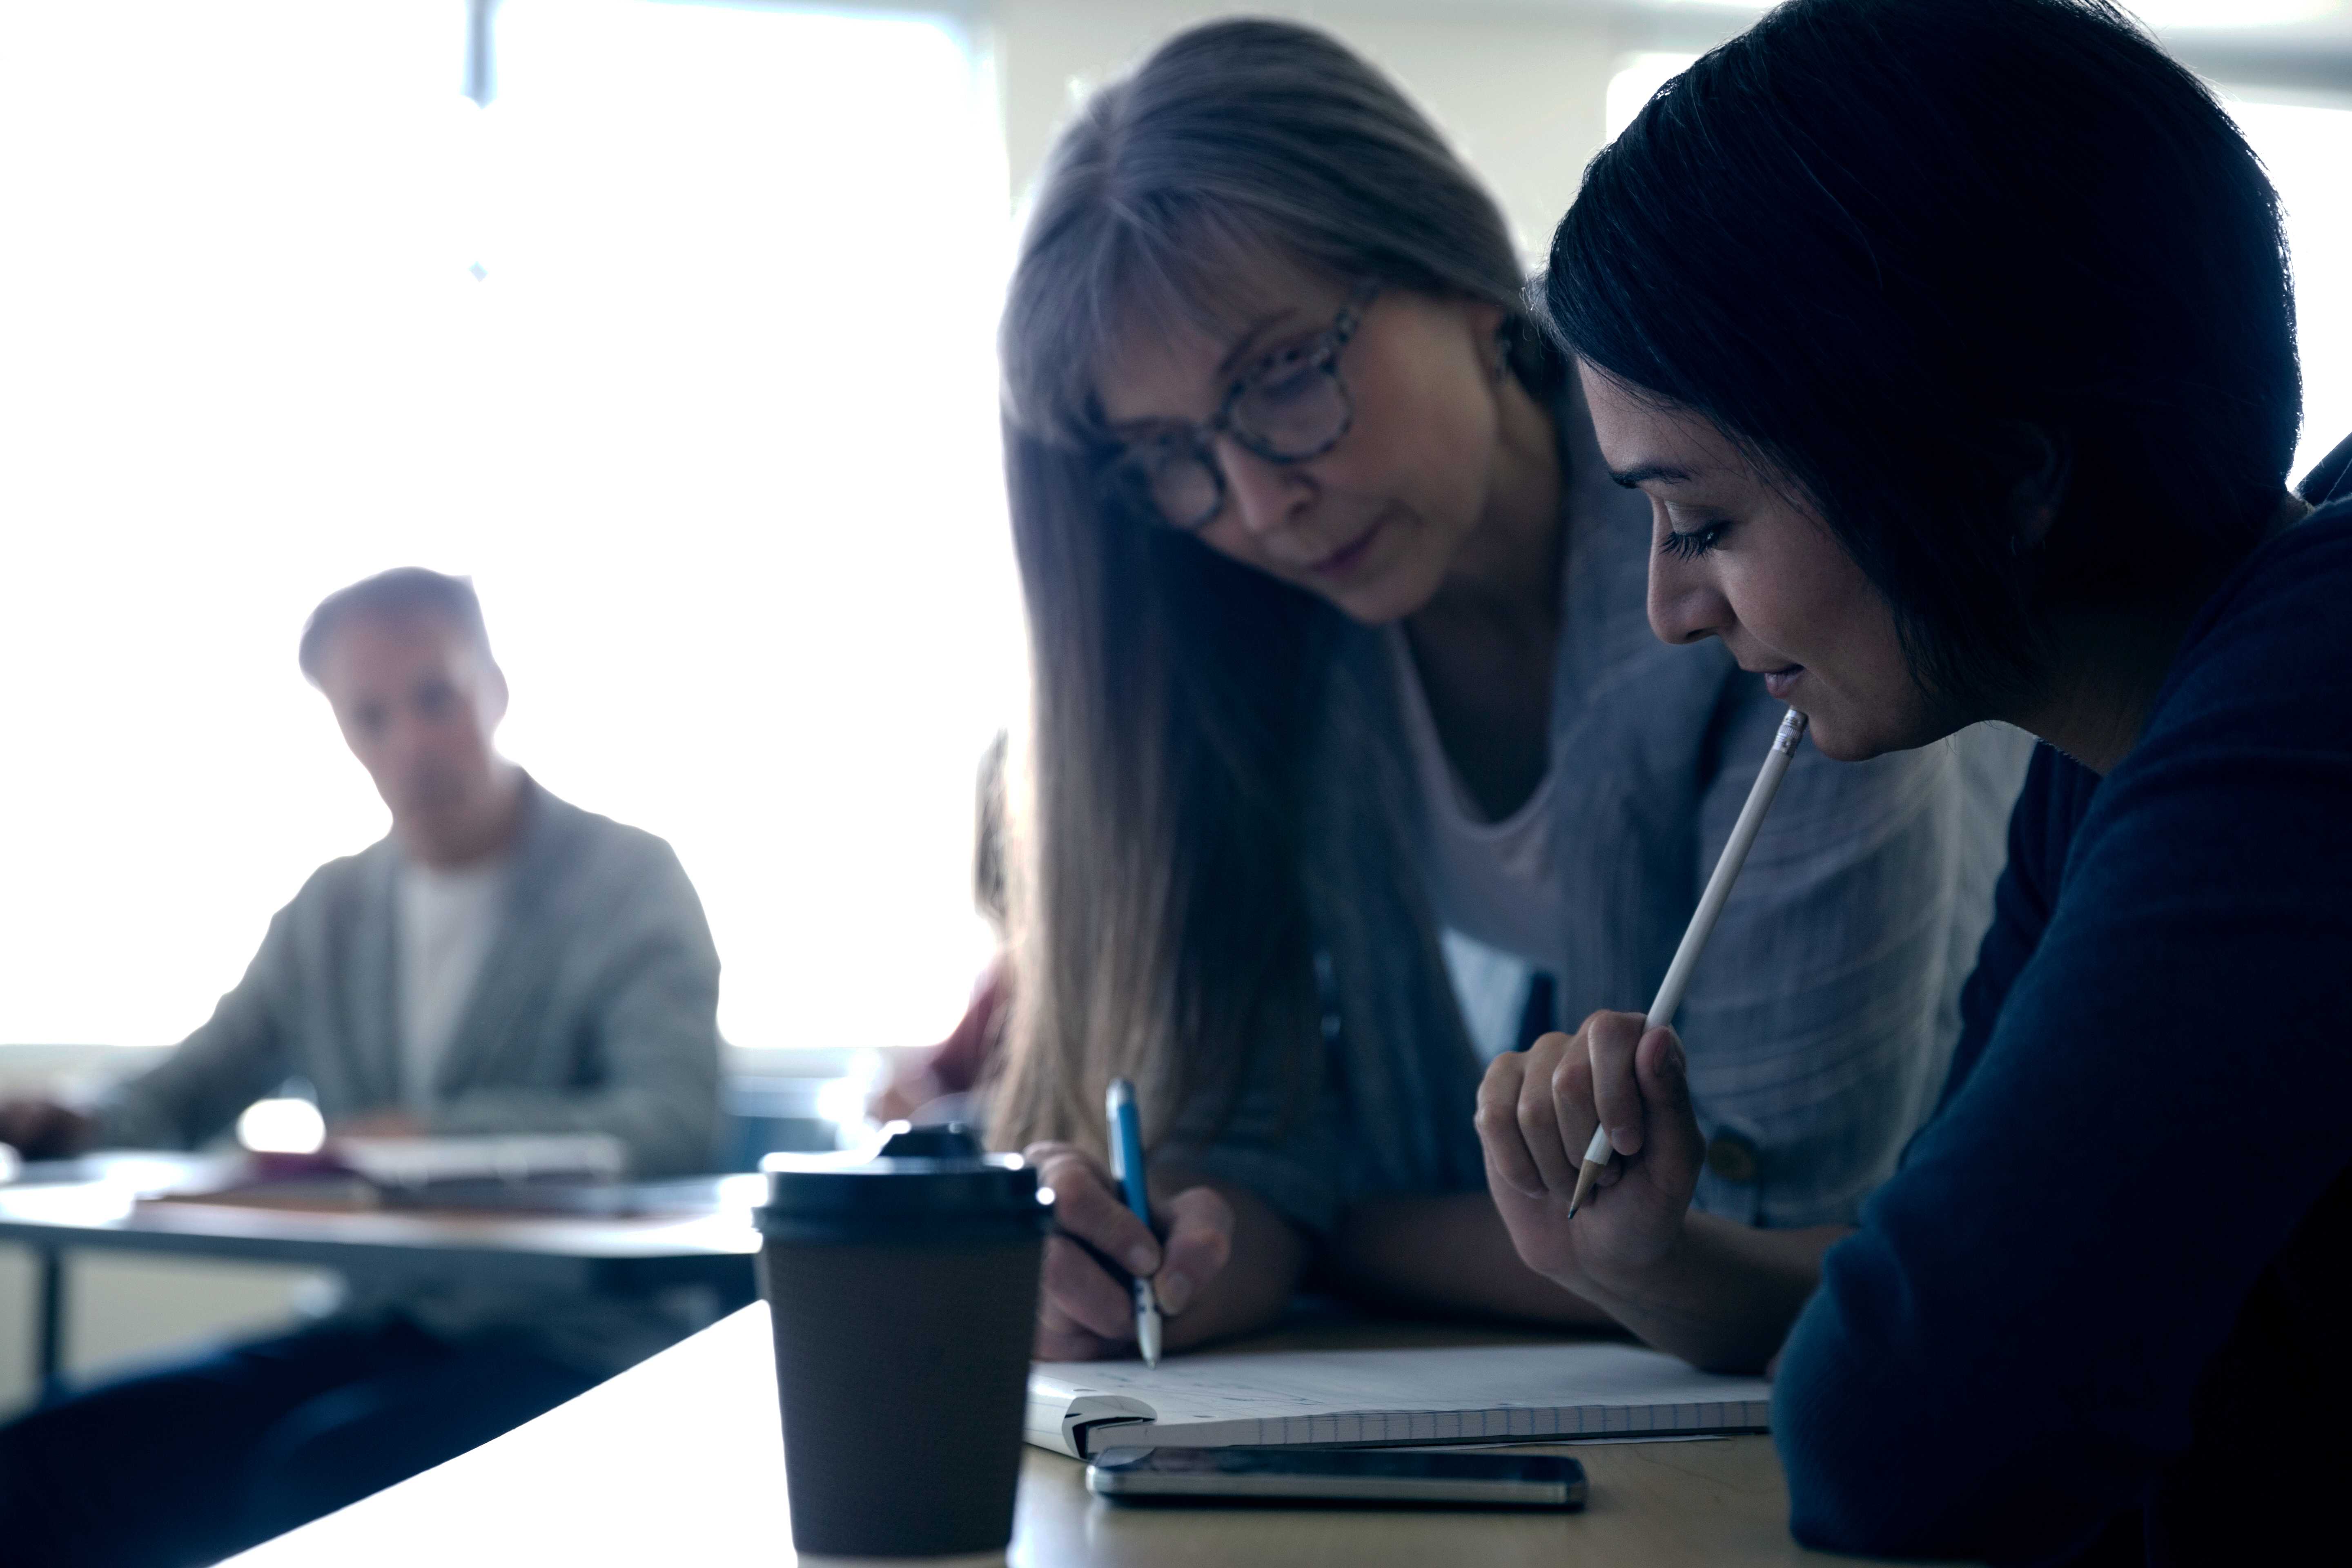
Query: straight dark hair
(1158, 911)
(1875, 241)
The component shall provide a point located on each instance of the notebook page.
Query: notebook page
(1483, 1394)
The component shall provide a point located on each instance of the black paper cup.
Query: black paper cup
(903, 1291)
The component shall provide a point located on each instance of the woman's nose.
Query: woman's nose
(1264, 496)
(1686, 604)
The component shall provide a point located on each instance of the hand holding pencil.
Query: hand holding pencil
(1540, 1110)
(1609, 1108)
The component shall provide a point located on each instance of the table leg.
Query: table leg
(50, 1315)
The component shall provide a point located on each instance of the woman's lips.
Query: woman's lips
(1780, 682)
(1348, 557)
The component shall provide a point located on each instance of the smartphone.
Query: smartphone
(1483, 1479)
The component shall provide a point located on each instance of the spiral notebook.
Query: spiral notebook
(1491, 1393)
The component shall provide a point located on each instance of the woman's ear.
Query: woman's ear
(493, 689)
(2041, 464)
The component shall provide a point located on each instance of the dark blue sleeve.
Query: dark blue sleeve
(2002, 1355)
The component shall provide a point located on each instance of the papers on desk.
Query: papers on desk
(1496, 1393)
(420, 1161)
(550, 1174)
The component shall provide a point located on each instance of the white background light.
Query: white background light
(2160, 14)
(1638, 77)
(715, 436)
(282, 1127)
(2307, 150)
(2166, 15)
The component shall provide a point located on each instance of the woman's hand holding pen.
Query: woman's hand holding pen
(1085, 1313)
(1717, 1293)
(1537, 1113)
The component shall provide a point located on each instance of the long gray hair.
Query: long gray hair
(1159, 901)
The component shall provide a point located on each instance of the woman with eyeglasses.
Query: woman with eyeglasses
(1952, 343)
(1339, 644)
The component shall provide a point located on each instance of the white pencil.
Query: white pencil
(1702, 923)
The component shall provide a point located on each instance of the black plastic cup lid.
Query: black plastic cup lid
(919, 1171)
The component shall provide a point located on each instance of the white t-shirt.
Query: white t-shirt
(1498, 883)
(449, 919)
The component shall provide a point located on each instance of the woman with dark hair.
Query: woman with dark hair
(1950, 341)
(1337, 639)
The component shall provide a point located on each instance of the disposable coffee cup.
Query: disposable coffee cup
(903, 1290)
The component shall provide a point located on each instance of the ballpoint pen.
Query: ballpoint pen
(1702, 923)
(1126, 1166)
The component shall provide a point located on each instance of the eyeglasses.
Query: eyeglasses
(1288, 408)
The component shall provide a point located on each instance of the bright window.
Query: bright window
(2307, 150)
(713, 430)
(1637, 78)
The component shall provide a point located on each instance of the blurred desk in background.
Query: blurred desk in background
(680, 1460)
(102, 1203)
(793, 1114)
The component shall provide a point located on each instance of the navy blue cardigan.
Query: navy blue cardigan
(2109, 1289)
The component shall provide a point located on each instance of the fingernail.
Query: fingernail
(1175, 1290)
(1625, 1141)
(1142, 1259)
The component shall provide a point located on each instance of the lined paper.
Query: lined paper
(1479, 1395)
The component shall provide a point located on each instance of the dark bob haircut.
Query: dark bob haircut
(399, 593)
(1874, 240)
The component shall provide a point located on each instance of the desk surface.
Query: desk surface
(105, 1209)
(681, 1460)
(104, 1212)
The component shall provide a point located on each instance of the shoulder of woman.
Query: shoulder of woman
(2270, 641)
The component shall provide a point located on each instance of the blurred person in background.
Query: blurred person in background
(500, 962)
(942, 1082)
(1339, 641)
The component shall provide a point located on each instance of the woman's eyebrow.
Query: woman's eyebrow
(1250, 336)
(1634, 477)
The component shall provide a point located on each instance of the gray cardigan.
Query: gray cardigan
(596, 1011)
(1819, 1023)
